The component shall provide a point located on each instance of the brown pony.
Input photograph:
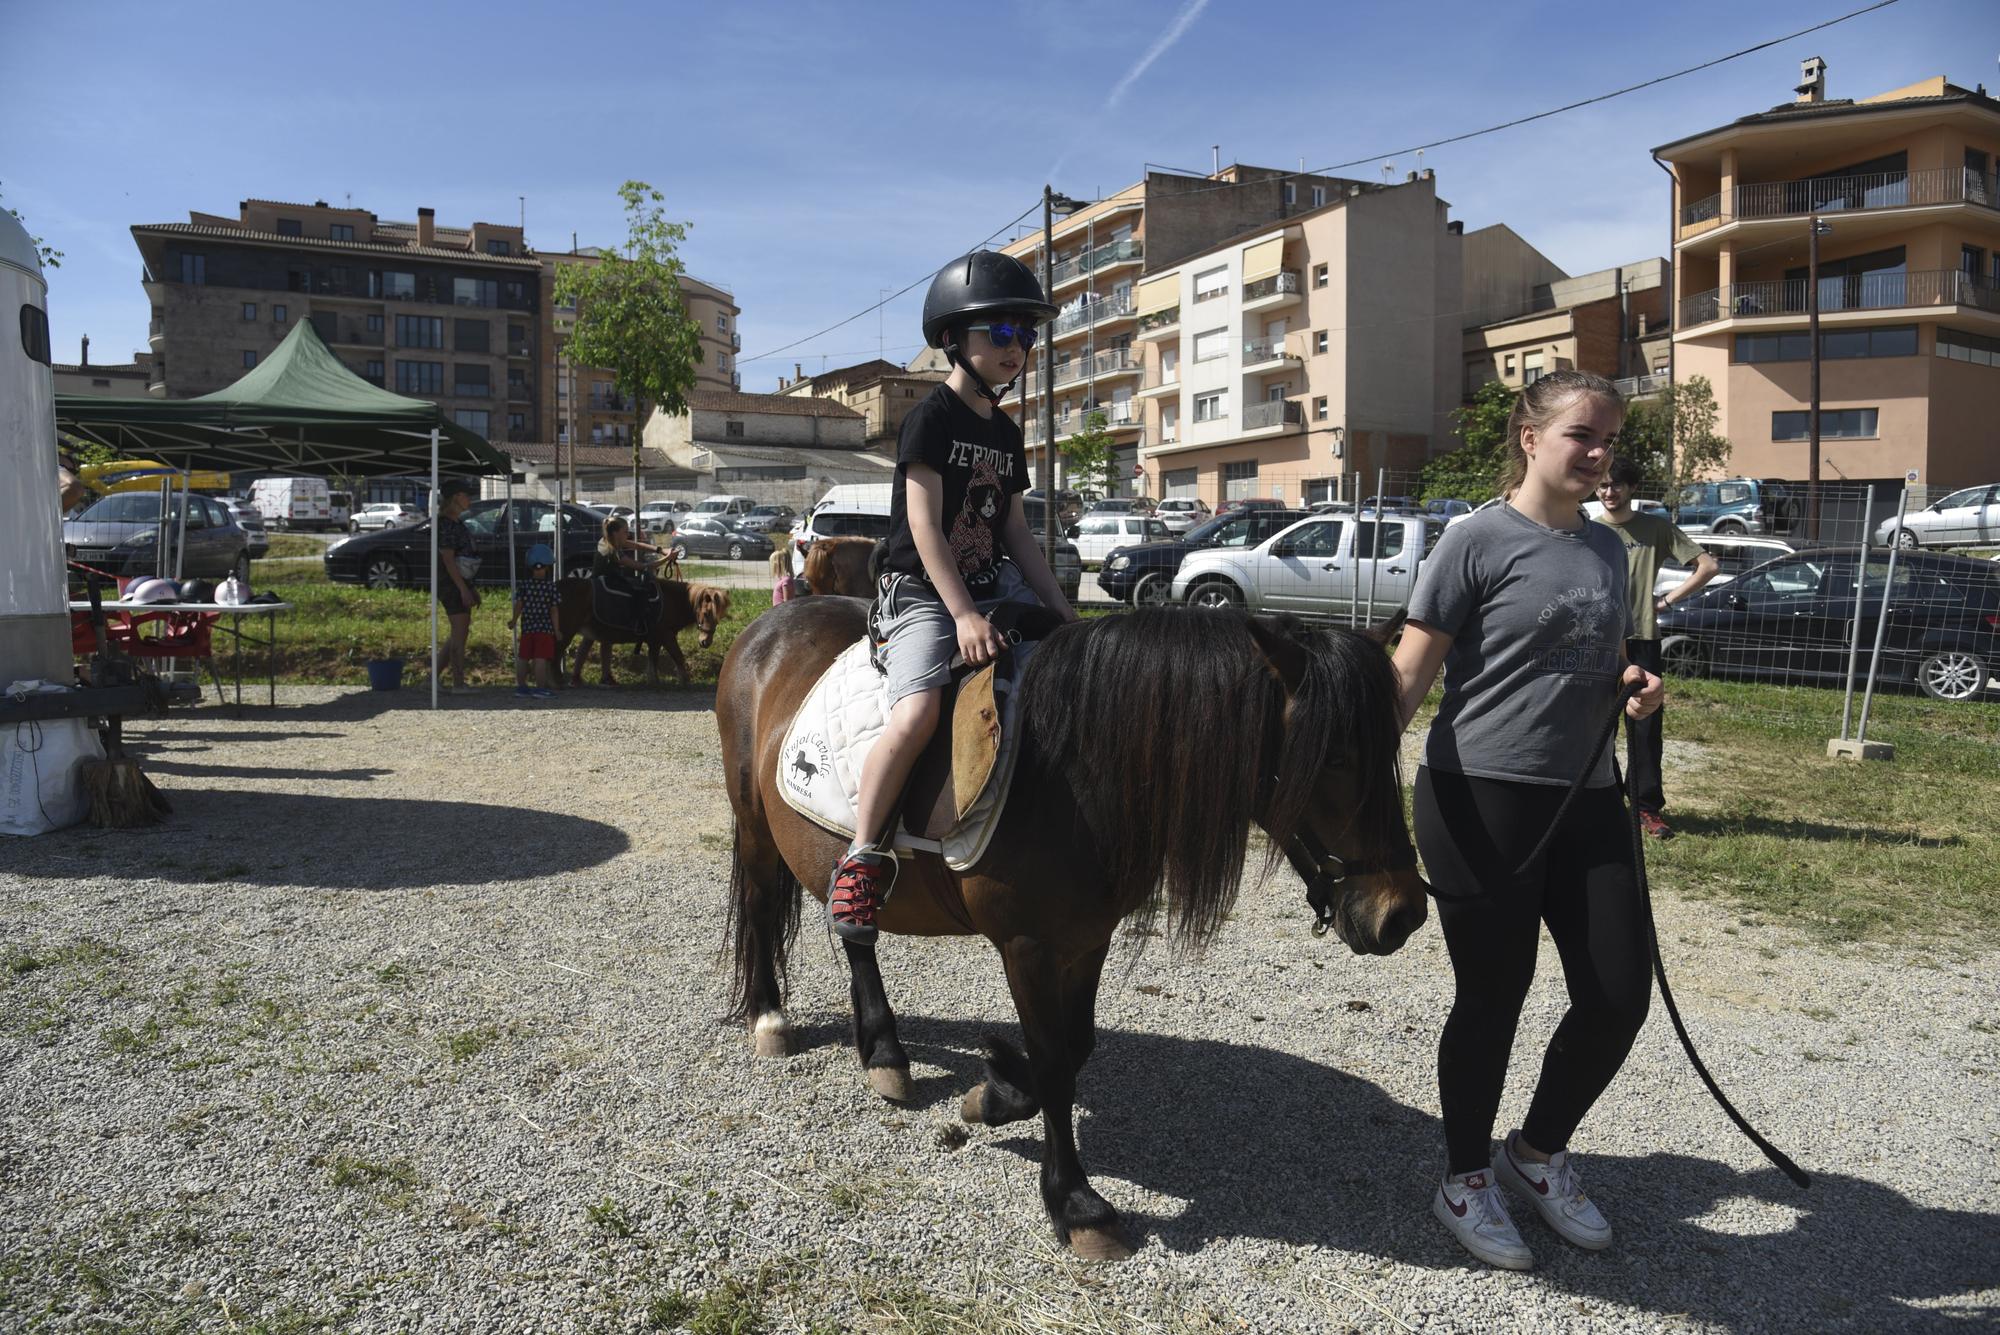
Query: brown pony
(1152, 742)
(840, 565)
(703, 606)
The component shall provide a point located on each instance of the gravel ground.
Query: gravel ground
(410, 1021)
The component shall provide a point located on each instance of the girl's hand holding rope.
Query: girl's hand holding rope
(1651, 693)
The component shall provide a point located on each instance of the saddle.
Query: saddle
(958, 786)
(628, 605)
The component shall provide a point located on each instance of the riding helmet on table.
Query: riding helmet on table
(984, 282)
(153, 590)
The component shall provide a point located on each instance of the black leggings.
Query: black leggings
(1473, 833)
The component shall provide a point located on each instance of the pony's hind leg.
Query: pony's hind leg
(875, 1041)
(763, 920)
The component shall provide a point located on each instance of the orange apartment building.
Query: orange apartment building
(1904, 187)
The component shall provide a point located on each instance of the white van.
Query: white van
(293, 502)
(858, 493)
(840, 518)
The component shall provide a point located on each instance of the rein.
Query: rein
(1771, 1152)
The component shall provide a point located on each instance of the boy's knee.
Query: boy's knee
(916, 715)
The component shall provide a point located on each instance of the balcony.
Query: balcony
(1278, 289)
(1107, 365)
(1122, 416)
(156, 330)
(518, 391)
(1840, 195)
(608, 403)
(1165, 387)
(1268, 354)
(1091, 313)
(518, 350)
(1129, 251)
(1848, 292)
(1160, 324)
(736, 342)
(1642, 386)
(1271, 416)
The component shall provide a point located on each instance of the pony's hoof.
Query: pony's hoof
(891, 1082)
(1099, 1244)
(972, 1108)
(772, 1037)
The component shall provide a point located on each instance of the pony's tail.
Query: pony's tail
(763, 921)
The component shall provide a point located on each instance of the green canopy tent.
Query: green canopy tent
(300, 409)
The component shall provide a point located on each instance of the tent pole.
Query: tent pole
(434, 567)
(181, 544)
(513, 547)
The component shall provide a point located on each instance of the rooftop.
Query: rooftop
(784, 405)
(255, 237)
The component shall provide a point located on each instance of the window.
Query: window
(516, 422)
(474, 292)
(1291, 193)
(1214, 283)
(1170, 365)
(249, 357)
(249, 310)
(194, 268)
(298, 280)
(1531, 367)
(1319, 340)
(871, 526)
(471, 382)
(732, 428)
(1834, 424)
(721, 323)
(278, 314)
(1320, 275)
(419, 331)
(472, 419)
(1507, 364)
(514, 295)
(1210, 344)
(1170, 423)
(1796, 345)
(374, 324)
(1320, 409)
(496, 248)
(517, 340)
(290, 227)
(420, 377)
(373, 375)
(1239, 480)
(472, 335)
(1959, 346)
(1211, 407)
(400, 286)
(1319, 196)
(722, 361)
(1368, 534)
(1972, 259)
(340, 231)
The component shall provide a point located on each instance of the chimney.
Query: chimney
(798, 372)
(426, 226)
(86, 350)
(1812, 80)
(1456, 227)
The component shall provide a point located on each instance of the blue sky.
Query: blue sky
(826, 152)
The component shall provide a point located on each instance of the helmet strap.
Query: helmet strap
(954, 355)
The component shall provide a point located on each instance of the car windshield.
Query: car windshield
(127, 507)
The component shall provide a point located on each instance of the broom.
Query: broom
(120, 795)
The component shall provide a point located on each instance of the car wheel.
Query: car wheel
(353, 527)
(1907, 540)
(384, 572)
(1730, 526)
(577, 572)
(680, 551)
(1681, 656)
(1952, 674)
(736, 551)
(1216, 594)
(241, 569)
(1154, 590)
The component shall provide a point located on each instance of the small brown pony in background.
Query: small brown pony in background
(840, 565)
(703, 606)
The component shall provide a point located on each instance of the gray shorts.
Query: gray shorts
(918, 638)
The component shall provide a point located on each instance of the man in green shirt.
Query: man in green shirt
(1650, 541)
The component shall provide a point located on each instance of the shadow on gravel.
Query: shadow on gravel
(1804, 829)
(157, 762)
(326, 842)
(1265, 1144)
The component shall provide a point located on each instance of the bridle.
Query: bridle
(1323, 870)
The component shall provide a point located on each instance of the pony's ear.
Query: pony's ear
(1285, 655)
(1390, 629)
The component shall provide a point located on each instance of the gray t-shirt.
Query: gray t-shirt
(1538, 622)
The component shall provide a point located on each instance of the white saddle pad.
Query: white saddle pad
(819, 770)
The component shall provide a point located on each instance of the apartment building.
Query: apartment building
(1612, 323)
(118, 380)
(881, 391)
(1904, 190)
(447, 314)
(585, 404)
(1295, 358)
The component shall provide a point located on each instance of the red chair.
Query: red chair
(179, 637)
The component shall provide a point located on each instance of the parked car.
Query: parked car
(1324, 566)
(119, 534)
(1242, 503)
(251, 521)
(1969, 517)
(1068, 565)
(1733, 556)
(1121, 505)
(1393, 504)
(339, 509)
(1738, 505)
(383, 514)
(400, 557)
(1331, 508)
(839, 519)
(1447, 508)
(605, 510)
(772, 518)
(1097, 536)
(1793, 618)
(293, 502)
(1594, 508)
(1181, 513)
(724, 505)
(1144, 575)
(722, 535)
(1069, 504)
(659, 519)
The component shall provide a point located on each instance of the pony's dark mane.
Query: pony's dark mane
(1170, 727)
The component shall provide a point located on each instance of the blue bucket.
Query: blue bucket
(385, 674)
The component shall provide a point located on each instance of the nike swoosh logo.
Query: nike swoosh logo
(1540, 1185)
(1455, 1207)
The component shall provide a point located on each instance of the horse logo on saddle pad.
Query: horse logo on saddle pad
(806, 759)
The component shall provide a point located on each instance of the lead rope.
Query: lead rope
(1771, 1152)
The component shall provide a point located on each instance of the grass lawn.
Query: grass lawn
(294, 544)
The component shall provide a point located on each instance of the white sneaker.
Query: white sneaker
(1469, 1205)
(1555, 1189)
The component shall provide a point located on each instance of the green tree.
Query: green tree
(630, 317)
(1472, 471)
(1089, 455)
(51, 257)
(1673, 437)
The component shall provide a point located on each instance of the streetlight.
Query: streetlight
(1819, 227)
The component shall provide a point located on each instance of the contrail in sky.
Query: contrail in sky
(1182, 21)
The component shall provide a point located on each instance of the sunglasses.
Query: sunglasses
(1005, 335)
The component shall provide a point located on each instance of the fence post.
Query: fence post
(1860, 595)
(1374, 544)
(1882, 621)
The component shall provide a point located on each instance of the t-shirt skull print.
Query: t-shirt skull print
(983, 466)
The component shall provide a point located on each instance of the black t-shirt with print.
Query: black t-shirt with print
(983, 466)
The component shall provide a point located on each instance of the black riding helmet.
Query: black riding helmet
(984, 282)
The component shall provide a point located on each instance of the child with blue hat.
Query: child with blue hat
(535, 614)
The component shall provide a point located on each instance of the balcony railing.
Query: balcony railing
(1846, 194)
(1110, 362)
(1272, 412)
(156, 329)
(609, 403)
(1642, 386)
(1283, 283)
(736, 342)
(517, 391)
(1165, 319)
(1842, 292)
(1111, 252)
(1109, 308)
(1259, 350)
(517, 350)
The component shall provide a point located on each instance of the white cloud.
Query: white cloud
(1182, 22)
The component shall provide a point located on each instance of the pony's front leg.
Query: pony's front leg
(1051, 996)
(875, 1042)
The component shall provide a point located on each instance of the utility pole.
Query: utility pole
(1812, 408)
(1046, 472)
